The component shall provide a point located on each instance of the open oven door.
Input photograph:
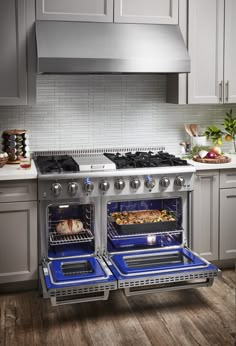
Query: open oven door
(76, 280)
(161, 270)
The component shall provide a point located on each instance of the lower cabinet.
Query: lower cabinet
(206, 214)
(18, 246)
(214, 208)
(227, 214)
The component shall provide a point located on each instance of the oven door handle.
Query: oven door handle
(134, 291)
(55, 301)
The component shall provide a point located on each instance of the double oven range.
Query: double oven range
(113, 249)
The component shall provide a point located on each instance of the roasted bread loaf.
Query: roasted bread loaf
(70, 226)
(142, 216)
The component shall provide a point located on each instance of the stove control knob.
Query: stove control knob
(119, 184)
(104, 185)
(135, 183)
(88, 186)
(149, 183)
(72, 188)
(56, 189)
(164, 182)
(179, 181)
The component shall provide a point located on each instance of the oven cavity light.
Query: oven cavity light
(151, 239)
(64, 206)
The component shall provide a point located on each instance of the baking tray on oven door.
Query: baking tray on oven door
(84, 279)
(161, 270)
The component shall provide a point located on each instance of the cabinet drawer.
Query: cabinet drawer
(228, 178)
(18, 191)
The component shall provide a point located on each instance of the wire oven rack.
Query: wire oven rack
(159, 239)
(83, 236)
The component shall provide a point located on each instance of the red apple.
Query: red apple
(211, 155)
(216, 150)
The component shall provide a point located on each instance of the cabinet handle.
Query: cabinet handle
(231, 196)
(220, 91)
(227, 91)
(231, 174)
(206, 176)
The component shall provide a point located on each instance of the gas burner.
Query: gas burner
(57, 164)
(145, 159)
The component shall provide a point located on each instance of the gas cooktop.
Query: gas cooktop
(59, 164)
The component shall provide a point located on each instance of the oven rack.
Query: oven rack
(113, 234)
(82, 237)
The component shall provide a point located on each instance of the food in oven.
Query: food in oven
(142, 216)
(70, 226)
(143, 221)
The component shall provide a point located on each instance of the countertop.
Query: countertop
(209, 166)
(14, 172)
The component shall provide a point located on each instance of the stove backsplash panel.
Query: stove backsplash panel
(90, 111)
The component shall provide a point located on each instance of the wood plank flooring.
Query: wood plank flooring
(203, 316)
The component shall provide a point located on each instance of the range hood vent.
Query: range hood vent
(74, 47)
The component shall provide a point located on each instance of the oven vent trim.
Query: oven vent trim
(165, 279)
(85, 289)
(96, 151)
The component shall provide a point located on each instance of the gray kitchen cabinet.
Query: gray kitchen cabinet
(18, 230)
(206, 214)
(17, 87)
(211, 36)
(118, 11)
(146, 11)
(13, 76)
(227, 214)
(75, 10)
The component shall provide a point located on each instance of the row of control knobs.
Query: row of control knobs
(119, 184)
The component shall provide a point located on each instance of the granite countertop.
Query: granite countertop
(209, 166)
(14, 172)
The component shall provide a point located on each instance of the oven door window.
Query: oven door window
(61, 273)
(159, 262)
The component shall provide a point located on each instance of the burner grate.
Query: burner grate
(141, 159)
(82, 237)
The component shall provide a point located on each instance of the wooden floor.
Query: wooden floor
(203, 316)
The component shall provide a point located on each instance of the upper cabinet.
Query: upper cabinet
(230, 52)
(17, 68)
(118, 11)
(75, 10)
(212, 49)
(146, 11)
(13, 77)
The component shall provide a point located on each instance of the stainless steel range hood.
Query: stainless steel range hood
(74, 47)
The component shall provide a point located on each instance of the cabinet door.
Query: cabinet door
(75, 10)
(205, 214)
(227, 224)
(230, 51)
(18, 246)
(13, 77)
(206, 30)
(146, 11)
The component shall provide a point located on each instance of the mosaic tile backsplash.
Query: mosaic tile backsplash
(93, 111)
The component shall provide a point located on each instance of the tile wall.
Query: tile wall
(93, 111)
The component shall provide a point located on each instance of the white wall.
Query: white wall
(87, 111)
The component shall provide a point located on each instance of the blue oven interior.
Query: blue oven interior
(160, 235)
(71, 257)
(70, 245)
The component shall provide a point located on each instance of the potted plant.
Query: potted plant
(216, 135)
